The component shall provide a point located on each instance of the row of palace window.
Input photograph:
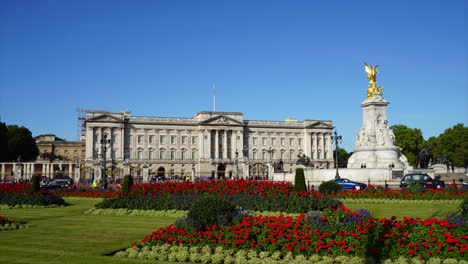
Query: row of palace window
(283, 141)
(183, 155)
(265, 155)
(64, 151)
(162, 139)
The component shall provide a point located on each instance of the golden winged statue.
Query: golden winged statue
(371, 75)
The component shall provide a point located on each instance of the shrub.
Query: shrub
(128, 181)
(209, 209)
(464, 208)
(36, 178)
(329, 187)
(299, 181)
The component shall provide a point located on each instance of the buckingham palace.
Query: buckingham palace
(210, 144)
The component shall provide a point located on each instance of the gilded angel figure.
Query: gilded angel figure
(371, 75)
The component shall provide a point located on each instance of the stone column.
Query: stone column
(307, 142)
(3, 172)
(216, 156)
(32, 170)
(70, 171)
(43, 169)
(15, 173)
(225, 146)
(201, 144)
(145, 175)
(89, 142)
(323, 145)
(122, 143)
(316, 146)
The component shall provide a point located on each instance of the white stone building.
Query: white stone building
(210, 144)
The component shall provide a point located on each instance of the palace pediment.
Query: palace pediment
(319, 124)
(221, 120)
(106, 117)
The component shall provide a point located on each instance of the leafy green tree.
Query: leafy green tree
(452, 144)
(343, 157)
(21, 143)
(410, 140)
(4, 153)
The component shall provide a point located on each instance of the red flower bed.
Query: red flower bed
(221, 187)
(4, 220)
(15, 187)
(383, 238)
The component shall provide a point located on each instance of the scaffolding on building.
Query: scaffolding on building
(81, 130)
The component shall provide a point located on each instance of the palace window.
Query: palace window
(264, 155)
(161, 155)
(161, 139)
(194, 140)
(150, 155)
(183, 155)
(151, 139)
(254, 154)
(291, 142)
(291, 155)
(140, 139)
(75, 151)
(273, 141)
(282, 155)
(255, 141)
(300, 142)
(194, 155)
(184, 139)
(173, 139)
(140, 154)
(264, 141)
(172, 155)
(65, 151)
(282, 142)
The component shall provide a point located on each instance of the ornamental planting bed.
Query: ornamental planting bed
(8, 224)
(21, 194)
(333, 233)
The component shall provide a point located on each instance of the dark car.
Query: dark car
(423, 180)
(62, 183)
(349, 184)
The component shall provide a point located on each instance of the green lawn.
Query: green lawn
(387, 208)
(65, 235)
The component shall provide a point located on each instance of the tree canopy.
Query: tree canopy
(450, 146)
(343, 157)
(17, 142)
(410, 140)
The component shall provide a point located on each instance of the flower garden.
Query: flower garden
(273, 223)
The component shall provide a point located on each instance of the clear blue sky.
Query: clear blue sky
(269, 60)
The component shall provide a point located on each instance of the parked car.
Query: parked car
(349, 184)
(60, 183)
(422, 179)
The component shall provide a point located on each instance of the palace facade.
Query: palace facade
(210, 144)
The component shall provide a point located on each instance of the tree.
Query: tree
(21, 143)
(343, 157)
(4, 153)
(452, 144)
(410, 140)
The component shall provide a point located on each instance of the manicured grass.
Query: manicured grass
(426, 209)
(66, 235)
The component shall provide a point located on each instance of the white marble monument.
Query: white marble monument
(375, 143)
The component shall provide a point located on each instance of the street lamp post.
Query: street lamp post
(337, 139)
(237, 165)
(105, 143)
